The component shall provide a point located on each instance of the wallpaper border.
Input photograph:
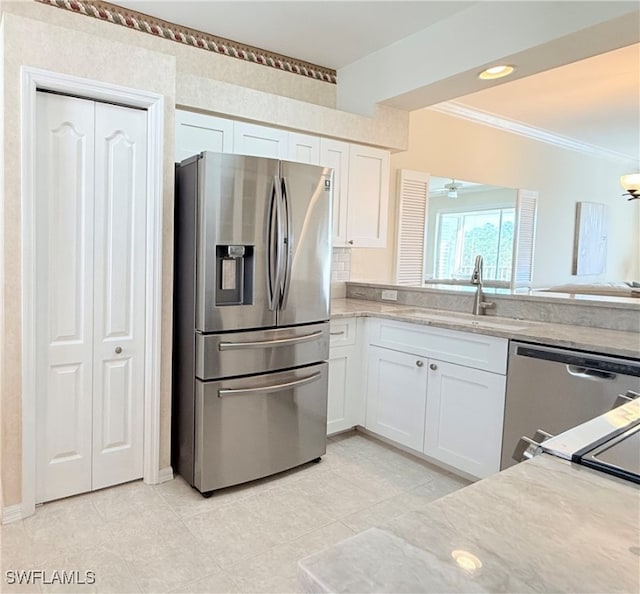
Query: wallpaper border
(105, 11)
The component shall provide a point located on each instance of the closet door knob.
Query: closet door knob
(433, 367)
(419, 363)
(118, 350)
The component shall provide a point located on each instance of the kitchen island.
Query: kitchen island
(545, 525)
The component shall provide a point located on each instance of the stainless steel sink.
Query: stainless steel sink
(474, 322)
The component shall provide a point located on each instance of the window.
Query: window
(438, 239)
(461, 236)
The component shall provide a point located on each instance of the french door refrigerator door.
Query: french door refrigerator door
(307, 196)
(251, 427)
(235, 205)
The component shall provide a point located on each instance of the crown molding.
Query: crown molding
(459, 110)
(112, 13)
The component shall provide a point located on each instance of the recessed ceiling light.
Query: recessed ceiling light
(496, 72)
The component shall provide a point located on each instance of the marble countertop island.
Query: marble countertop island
(545, 525)
(613, 342)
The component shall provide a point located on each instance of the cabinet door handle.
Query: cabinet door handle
(118, 350)
(337, 333)
(433, 367)
(419, 363)
(350, 242)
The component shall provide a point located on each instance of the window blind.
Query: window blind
(413, 189)
(525, 234)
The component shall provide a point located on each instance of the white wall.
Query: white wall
(452, 147)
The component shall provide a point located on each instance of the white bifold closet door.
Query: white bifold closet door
(90, 294)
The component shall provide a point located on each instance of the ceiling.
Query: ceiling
(330, 33)
(593, 101)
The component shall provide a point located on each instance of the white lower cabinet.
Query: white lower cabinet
(341, 386)
(345, 404)
(465, 409)
(396, 396)
(451, 412)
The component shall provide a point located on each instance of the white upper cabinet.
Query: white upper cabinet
(335, 154)
(367, 213)
(361, 173)
(260, 141)
(196, 132)
(304, 148)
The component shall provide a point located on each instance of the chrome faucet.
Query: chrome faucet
(479, 304)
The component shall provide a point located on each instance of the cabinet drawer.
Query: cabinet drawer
(464, 348)
(342, 332)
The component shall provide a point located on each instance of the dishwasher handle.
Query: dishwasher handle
(590, 374)
(624, 398)
(577, 359)
(527, 447)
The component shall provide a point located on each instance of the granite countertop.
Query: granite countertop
(545, 525)
(613, 342)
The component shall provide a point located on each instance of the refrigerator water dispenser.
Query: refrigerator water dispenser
(234, 272)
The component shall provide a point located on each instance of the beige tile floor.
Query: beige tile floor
(167, 538)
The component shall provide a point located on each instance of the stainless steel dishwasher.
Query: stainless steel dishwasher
(555, 389)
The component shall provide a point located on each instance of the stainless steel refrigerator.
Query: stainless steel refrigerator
(251, 317)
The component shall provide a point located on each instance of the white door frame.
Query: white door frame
(33, 79)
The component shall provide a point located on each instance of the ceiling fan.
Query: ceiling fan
(452, 188)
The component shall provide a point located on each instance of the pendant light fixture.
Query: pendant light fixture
(631, 183)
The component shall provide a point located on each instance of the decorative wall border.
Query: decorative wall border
(105, 11)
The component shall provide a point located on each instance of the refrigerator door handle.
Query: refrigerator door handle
(275, 240)
(288, 244)
(271, 388)
(265, 344)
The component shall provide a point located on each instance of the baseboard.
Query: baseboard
(12, 513)
(165, 474)
(341, 432)
(417, 454)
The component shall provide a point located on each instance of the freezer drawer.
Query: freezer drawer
(259, 351)
(252, 427)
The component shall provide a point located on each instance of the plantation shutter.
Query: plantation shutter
(413, 189)
(523, 244)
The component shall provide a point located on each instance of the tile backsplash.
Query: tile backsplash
(340, 265)
(340, 271)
